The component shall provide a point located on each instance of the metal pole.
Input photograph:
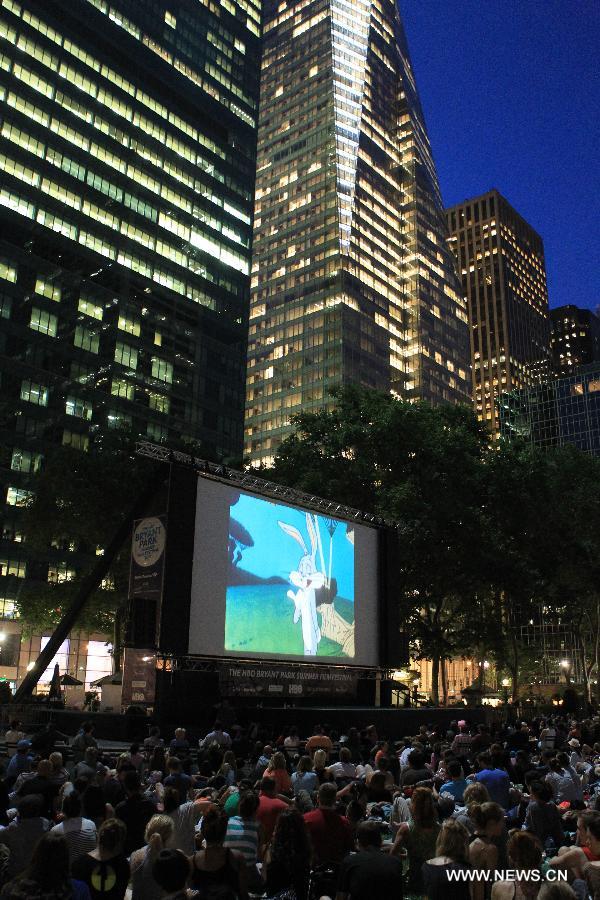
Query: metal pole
(88, 586)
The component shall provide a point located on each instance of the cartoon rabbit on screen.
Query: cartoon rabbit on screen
(307, 579)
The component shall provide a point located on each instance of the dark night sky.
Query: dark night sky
(511, 94)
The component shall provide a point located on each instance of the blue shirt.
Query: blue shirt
(20, 762)
(304, 781)
(498, 784)
(456, 788)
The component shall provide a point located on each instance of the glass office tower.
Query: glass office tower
(127, 148)
(500, 258)
(352, 279)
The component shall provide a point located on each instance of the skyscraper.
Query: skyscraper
(352, 279)
(127, 145)
(501, 260)
(575, 339)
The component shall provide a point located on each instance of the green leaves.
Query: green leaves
(486, 534)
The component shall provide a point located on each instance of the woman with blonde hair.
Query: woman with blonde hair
(476, 792)
(451, 854)
(277, 770)
(419, 836)
(159, 836)
(320, 765)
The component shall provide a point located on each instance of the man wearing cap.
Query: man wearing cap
(461, 745)
(20, 762)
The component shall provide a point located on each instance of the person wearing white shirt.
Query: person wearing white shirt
(217, 736)
(345, 768)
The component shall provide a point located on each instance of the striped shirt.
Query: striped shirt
(80, 835)
(242, 835)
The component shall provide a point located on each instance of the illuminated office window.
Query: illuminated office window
(34, 393)
(43, 321)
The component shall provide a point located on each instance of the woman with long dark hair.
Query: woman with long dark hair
(287, 860)
(47, 876)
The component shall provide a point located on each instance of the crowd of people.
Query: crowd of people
(245, 813)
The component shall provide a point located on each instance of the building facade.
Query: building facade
(575, 339)
(500, 259)
(127, 143)
(560, 412)
(352, 280)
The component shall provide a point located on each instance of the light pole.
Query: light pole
(565, 665)
(505, 686)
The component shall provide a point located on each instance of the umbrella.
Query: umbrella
(70, 680)
(55, 691)
(117, 678)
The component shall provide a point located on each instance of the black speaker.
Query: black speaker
(141, 624)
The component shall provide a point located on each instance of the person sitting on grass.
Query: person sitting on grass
(457, 783)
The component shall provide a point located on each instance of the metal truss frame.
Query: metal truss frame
(248, 481)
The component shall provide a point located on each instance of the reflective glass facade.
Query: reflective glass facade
(352, 279)
(127, 148)
(501, 261)
(562, 411)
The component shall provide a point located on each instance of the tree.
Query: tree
(420, 466)
(79, 501)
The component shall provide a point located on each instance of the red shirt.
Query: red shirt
(268, 812)
(331, 835)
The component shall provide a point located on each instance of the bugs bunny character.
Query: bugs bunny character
(307, 579)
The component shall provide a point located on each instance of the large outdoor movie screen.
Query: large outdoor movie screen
(273, 580)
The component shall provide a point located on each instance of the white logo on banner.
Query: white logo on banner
(148, 542)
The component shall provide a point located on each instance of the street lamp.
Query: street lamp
(505, 687)
(565, 665)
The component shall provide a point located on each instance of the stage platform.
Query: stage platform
(391, 722)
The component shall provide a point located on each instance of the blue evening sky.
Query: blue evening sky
(511, 94)
(276, 553)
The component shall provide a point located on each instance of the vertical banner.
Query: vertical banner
(139, 677)
(148, 558)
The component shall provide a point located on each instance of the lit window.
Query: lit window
(34, 393)
(62, 658)
(98, 661)
(8, 272)
(132, 326)
(47, 289)
(159, 402)
(25, 461)
(18, 496)
(86, 339)
(76, 406)
(14, 567)
(121, 388)
(126, 355)
(58, 573)
(170, 19)
(43, 321)
(89, 308)
(162, 370)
